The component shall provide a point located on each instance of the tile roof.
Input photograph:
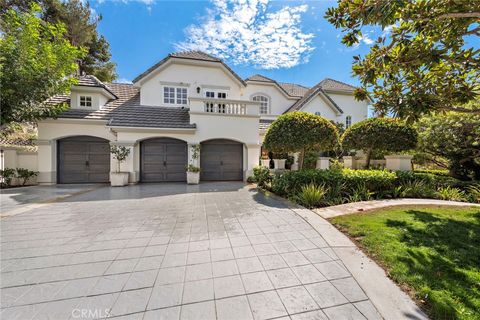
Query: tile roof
(310, 94)
(330, 84)
(127, 111)
(92, 81)
(259, 77)
(193, 55)
(151, 117)
(293, 89)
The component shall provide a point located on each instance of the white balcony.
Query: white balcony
(224, 107)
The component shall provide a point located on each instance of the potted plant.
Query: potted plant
(279, 161)
(265, 160)
(193, 172)
(120, 153)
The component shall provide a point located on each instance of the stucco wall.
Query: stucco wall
(190, 76)
(279, 103)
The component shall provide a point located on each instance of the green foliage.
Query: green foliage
(437, 172)
(36, 62)
(6, 176)
(433, 251)
(379, 135)
(24, 175)
(455, 137)
(310, 160)
(473, 192)
(120, 153)
(450, 193)
(262, 176)
(81, 24)
(416, 189)
(192, 168)
(422, 61)
(311, 195)
(300, 132)
(346, 185)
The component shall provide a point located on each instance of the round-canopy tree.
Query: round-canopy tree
(300, 132)
(380, 135)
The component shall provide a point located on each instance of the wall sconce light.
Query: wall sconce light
(198, 89)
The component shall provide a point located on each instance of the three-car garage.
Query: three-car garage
(86, 159)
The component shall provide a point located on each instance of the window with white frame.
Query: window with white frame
(174, 95)
(264, 103)
(348, 122)
(86, 101)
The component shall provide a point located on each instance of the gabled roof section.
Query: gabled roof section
(92, 81)
(294, 89)
(190, 55)
(259, 77)
(330, 84)
(311, 94)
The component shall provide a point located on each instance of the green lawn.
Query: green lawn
(433, 252)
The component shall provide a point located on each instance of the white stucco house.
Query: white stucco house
(188, 98)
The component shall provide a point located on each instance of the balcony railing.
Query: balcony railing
(224, 106)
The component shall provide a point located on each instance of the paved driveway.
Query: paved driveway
(171, 251)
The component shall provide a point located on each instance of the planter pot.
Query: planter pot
(118, 179)
(279, 164)
(193, 177)
(266, 163)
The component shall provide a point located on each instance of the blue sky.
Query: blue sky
(289, 41)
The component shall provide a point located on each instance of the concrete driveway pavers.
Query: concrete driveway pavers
(172, 251)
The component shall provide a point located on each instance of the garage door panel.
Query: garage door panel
(221, 160)
(83, 159)
(163, 159)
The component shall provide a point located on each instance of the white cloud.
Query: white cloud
(247, 32)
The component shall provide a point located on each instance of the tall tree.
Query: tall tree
(81, 26)
(37, 61)
(423, 61)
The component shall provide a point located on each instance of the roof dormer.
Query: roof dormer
(90, 94)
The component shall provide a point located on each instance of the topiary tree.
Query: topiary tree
(300, 132)
(379, 135)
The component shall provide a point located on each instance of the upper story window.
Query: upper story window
(86, 101)
(264, 106)
(348, 122)
(175, 95)
(318, 113)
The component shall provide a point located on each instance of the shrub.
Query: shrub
(300, 132)
(417, 189)
(120, 153)
(473, 192)
(24, 175)
(379, 135)
(450, 193)
(262, 176)
(6, 176)
(311, 195)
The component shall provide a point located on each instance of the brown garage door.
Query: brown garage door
(83, 159)
(221, 160)
(163, 159)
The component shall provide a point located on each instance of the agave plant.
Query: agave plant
(312, 195)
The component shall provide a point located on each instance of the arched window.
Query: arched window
(318, 113)
(348, 121)
(264, 106)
